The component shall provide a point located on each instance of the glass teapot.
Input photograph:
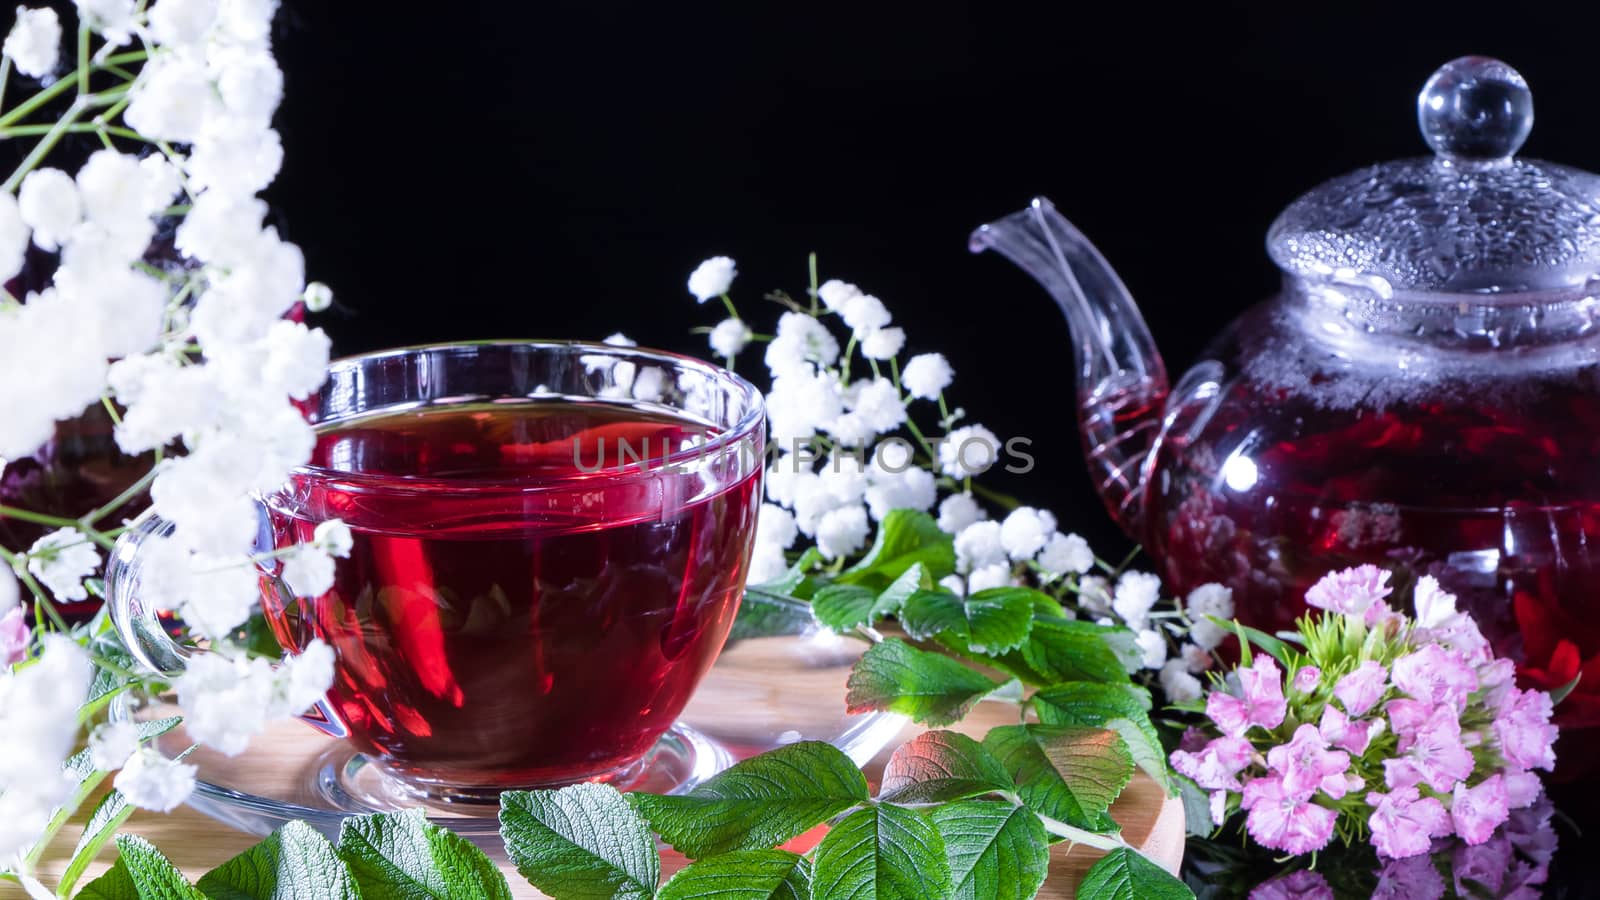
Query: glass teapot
(1422, 394)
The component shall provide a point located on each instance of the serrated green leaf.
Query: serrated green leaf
(1064, 650)
(1123, 708)
(759, 802)
(1065, 772)
(109, 814)
(939, 766)
(997, 850)
(745, 875)
(883, 852)
(153, 876)
(905, 537)
(910, 581)
(293, 863)
(114, 884)
(929, 687)
(1124, 874)
(989, 622)
(1043, 604)
(403, 856)
(1273, 647)
(845, 606)
(769, 615)
(581, 842)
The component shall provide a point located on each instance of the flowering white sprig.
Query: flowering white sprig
(195, 352)
(849, 451)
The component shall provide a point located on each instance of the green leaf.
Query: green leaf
(1065, 772)
(988, 622)
(1043, 604)
(905, 537)
(584, 841)
(881, 853)
(152, 875)
(1123, 708)
(929, 687)
(997, 850)
(1123, 874)
(769, 615)
(115, 884)
(937, 766)
(1196, 807)
(758, 803)
(1064, 650)
(403, 856)
(746, 875)
(842, 607)
(109, 814)
(1273, 647)
(293, 863)
(910, 581)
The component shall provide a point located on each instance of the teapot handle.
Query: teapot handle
(138, 621)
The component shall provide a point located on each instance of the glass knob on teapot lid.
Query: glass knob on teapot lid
(1475, 108)
(1471, 219)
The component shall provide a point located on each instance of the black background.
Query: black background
(495, 169)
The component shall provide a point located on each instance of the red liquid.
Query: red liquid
(1493, 489)
(489, 636)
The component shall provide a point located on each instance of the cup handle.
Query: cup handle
(140, 625)
(135, 619)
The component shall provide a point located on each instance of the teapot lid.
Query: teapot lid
(1472, 219)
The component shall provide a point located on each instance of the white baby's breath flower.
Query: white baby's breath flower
(303, 679)
(957, 511)
(864, 314)
(235, 155)
(926, 375)
(50, 204)
(1064, 553)
(1136, 593)
(1152, 648)
(842, 531)
(214, 595)
(222, 228)
(877, 402)
(173, 98)
(1178, 684)
(913, 488)
(308, 571)
(251, 86)
(1025, 530)
(333, 538)
(111, 744)
(800, 342)
(990, 576)
(844, 477)
(34, 44)
(246, 22)
(968, 451)
(618, 339)
(1203, 602)
(712, 278)
(318, 297)
(782, 475)
(296, 359)
(154, 782)
(729, 337)
(113, 19)
(14, 237)
(800, 404)
(883, 343)
(1196, 658)
(225, 701)
(205, 500)
(955, 584)
(38, 729)
(767, 563)
(775, 526)
(1094, 595)
(979, 545)
(182, 22)
(835, 293)
(115, 193)
(61, 560)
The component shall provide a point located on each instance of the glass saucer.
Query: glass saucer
(780, 679)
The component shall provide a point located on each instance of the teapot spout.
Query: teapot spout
(1122, 384)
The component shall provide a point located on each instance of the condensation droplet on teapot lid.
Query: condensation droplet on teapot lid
(1471, 219)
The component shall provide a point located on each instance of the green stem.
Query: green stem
(83, 59)
(116, 503)
(1005, 501)
(728, 302)
(16, 131)
(26, 515)
(37, 100)
(5, 79)
(41, 600)
(45, 145)
(811, 265)
(1081, 836)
